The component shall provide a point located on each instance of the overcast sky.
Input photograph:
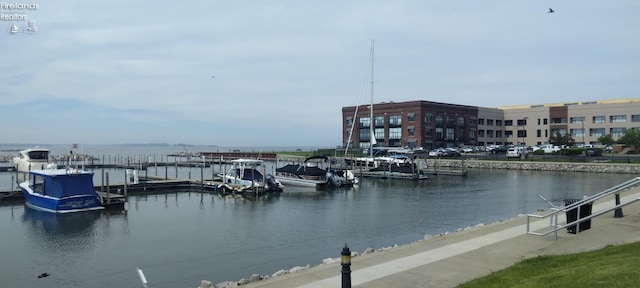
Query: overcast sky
(277, 73)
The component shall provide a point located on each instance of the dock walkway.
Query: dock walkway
(453, 259)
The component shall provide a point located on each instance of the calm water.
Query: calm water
(179, 239)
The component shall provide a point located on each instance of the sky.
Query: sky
(277, 73)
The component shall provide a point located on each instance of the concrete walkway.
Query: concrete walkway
(453, 259)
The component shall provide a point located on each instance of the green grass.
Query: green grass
(612, 266)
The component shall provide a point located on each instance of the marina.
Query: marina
(233, 236)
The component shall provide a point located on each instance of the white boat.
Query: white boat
(250, 173)
(32, 159)
(315, 172)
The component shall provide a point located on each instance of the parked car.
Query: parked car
(550, 148)
(515, 152)
(499, 149)
(437, 152)
(467, 149)
(450, 152)
(593, 152)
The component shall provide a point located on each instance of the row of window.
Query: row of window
(452, 121)
(562, 120)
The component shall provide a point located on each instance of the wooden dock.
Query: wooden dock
(390, 175)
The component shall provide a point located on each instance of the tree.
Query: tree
(631, 138)
(559, 139)
(606, 140)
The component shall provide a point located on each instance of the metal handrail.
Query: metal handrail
(556, 210)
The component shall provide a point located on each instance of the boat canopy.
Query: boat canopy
(63, 185)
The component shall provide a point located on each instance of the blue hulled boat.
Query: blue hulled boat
(61, 191)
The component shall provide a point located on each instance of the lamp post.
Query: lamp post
(346, 266)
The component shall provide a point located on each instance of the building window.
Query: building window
(508, 123)
(480, 121)
(489, 122)
(522, 122)
(472, 121)
(395, 133)
(598, 119)
(472, 133)
(439, 120)
(508, 134)
(617, 132)
(538, 133)
(349, 121)
(544, 121)
(451, 134)
(480, 133)
(560, 120)
(576, 120)
(439, 135)
(395, 120)
(428, 118)
(498, 134)
(577, 133)
(498, 122)
(379, 121)
(561, 132)
(428, 132)
(618, 119)
(365, 135)
(411, 131)
(490, 133)
(596, 132)
(635, 118)
(411, 117)
(460, 121)
(379, 132)
(451, 121)
(365, 122)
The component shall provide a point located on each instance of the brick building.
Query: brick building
(431, 124)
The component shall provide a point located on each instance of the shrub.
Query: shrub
(571, 151)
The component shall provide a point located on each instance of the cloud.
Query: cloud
(283, 70)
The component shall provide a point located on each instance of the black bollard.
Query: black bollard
(346, 267)
(618, 212)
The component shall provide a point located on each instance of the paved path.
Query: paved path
(450, 260)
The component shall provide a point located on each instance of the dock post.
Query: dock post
(253, 178)
(264, 177)
(11, 183)
(166, 171)
(102, 182)
(108, 188)
(176, 162)
(202, 174)
(126, 181)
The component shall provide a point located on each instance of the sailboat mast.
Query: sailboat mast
(373, 135)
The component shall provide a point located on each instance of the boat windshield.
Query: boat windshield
(39, 155)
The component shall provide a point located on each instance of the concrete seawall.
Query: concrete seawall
(538, 166)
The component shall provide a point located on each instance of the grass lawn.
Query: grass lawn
(612, 266)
